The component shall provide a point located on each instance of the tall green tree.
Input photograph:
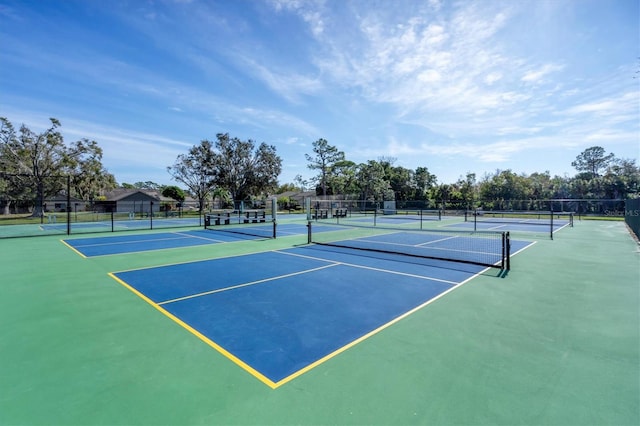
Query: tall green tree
(194, 170)
(342, 179)
(402, 183)
(38, 162)
(36, 157)
(592, 161)
(242, 169)
(502, 188)
(622, 179)
(442, 194)
(423, 182)
(10, 189)
(89, 178)
(325, 159)
(467, 190)
(372, 183)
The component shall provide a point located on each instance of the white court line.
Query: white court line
(219, 290)
(199, 237)
(129, 242)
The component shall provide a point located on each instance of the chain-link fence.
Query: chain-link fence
(50, 206)
(632, 215)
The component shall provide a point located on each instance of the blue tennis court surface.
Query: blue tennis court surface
(277, 314)
(102, 246)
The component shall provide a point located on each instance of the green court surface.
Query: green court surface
(556, 341)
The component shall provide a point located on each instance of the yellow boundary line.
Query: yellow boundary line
(256, 373)
(200, 336)
(73, 248)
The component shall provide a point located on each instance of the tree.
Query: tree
(622, 179)
(223, 197)
(592, 161)
(35, 158)
(150, 185)
(402, 183)
(326, 156)
(301, 182)
(194, 170)
(9, 190)
(442, 194)
(467, 190)
(174, 192)
(38, 161)
(286, 187)
(342, 179)
(372, 182)
(423, 182)
(502, 188)
(88, 177)
(236, 167)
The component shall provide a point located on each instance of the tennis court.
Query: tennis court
(120, 244)
(276, 331)
(534, 222)
(278, 314)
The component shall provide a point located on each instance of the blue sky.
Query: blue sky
(454, 86)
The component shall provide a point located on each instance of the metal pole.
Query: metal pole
(68, 205)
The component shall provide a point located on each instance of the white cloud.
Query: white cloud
(311, 12)
(536, 75)
(287, 85)
(493, 77)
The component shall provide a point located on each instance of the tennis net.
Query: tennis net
(252, 223)
(484, 248)
(544, 218)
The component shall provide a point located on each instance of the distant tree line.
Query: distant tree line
(228, 168)
(600, 176)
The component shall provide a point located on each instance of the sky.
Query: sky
(454, 86)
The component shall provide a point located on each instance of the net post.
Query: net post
(508, 251)
(475, 220)
(151, 214)
(309, 232)
(68, 205)
(551, 225)
(274, 210)
(112, 227)
(504, 250)
(421, 219)
(274, 228)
